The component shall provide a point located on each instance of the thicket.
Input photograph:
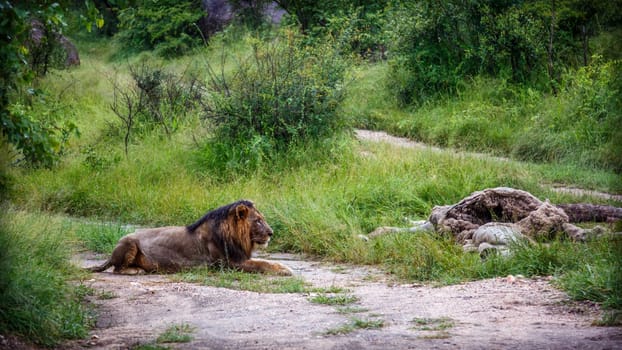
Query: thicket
(38, 137)
(437, 45)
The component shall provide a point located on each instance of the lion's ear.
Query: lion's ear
(241, 211)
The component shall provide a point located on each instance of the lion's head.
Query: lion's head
(237, 229)
(251, 224)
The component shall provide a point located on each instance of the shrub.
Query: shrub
(154, 99)
(166, 26)
(282, 96)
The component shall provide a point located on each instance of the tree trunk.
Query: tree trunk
(585, 44)
(591, 212)
(550, 49)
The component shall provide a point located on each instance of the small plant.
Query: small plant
(433, 324)
(177, 334)
(106, 295)
(438, 325)
(355, 324)
(351, 309)
(339, 299)
(150, 347)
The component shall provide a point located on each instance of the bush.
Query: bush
(166, 26)
(154, 99)
(39, 126)
(282, 96)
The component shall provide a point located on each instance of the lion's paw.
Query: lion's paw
(282, 270)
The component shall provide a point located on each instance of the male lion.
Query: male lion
(227, 235)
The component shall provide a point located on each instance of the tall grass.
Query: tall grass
(578, 126)
(37, 300)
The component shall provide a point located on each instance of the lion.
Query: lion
(227, 236)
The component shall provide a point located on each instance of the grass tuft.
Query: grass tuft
(238, 280)
(339, 299)
(180, 333)
(355, 324)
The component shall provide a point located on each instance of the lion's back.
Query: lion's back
(171, 246)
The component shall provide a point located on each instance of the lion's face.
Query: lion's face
(259, 230)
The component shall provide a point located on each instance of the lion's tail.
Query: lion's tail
(100, 268)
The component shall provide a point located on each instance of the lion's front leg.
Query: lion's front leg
(264, 266)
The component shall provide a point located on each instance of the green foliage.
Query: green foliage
(40, 128)
(356, 30)
(282, 96)
(168, 27)
(577, 127)
(338, 299)
(436, 46)
(32, 122)
(37, 299)
(45, 48)
(355, 324)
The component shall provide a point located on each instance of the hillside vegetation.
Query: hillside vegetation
(152, 131)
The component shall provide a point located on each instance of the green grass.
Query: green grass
(433, 324)
(238, 280)
(337, 299)
(437, 326)
(578, 127)
(101, 237)
(181, 333)
(38, 296)
(355, 324)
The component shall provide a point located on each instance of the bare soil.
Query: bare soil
(503, 313)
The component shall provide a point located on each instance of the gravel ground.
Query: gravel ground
(500, 313)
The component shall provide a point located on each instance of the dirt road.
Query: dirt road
(501, 313)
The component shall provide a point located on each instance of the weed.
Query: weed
(150, 347)
(339, 299)
(351, 309)
(180, 333)
(106, 295)
(354, 325)
(433, 324)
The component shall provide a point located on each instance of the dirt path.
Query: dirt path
(499, 313)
